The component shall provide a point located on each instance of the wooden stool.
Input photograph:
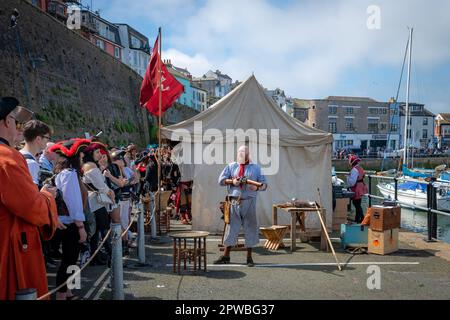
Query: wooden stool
(181, 252)
(274, 235)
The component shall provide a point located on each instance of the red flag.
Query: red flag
(171, 88)
(150, 82)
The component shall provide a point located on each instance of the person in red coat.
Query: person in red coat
(355, 180)
(24, 211)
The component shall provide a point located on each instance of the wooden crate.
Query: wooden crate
(342, 205)
(339, 214)
(385, 218)
(383, 242)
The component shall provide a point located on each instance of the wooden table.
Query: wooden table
(194, 254)
(298, 215)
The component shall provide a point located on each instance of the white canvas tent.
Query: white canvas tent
(303, 154)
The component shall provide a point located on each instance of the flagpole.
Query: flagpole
(158, 159)
(159, 87)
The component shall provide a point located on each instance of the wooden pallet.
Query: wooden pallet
(274, 236)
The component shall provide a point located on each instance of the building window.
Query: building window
(343, 143)
(394, 127)
(384, 110)
(102, 31)
(373, 111)
(332, 109)
(349, 124)
(117, 53)
(332, 125)
(372, 125)
(408, 134)
(393, 144)
(417, 108)
(424, 134)
(135, 42)
(410, 121)
(349, 110)
(100, 44)
(425, 121)
(383, 126)
(314, 124)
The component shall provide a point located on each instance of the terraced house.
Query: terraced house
(354, 121)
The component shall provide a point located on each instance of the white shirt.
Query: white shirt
(67, 182)
(353, 177)
(33, 166)
(96, 178)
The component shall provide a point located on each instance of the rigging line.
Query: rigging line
(391, 118)
(403, 68)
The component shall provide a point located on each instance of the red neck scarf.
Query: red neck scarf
(242, 170)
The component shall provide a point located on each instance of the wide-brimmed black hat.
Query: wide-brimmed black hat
(10, 106)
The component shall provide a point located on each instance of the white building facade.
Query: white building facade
(421, 126)
(136, 52)
(199, 98)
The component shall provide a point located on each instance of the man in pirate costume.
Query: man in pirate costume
(170, 173)
(243, 203)
(25, 212)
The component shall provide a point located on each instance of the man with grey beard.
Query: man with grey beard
(243, 203)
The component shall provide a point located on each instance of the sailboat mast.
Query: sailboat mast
(405, 145)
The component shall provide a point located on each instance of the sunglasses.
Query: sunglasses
(19, 125)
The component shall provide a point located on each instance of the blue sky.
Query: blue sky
(311, 49)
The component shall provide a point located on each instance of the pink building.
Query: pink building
(101, 33)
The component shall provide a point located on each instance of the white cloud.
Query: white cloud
(306, 47)
(197, 64)
(314, 32)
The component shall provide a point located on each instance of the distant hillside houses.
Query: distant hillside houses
(286, 103)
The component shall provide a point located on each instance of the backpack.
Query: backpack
(42, 174)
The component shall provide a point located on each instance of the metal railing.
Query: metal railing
(116, 279)
(432, 202)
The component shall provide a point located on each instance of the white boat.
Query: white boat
(415, 194)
